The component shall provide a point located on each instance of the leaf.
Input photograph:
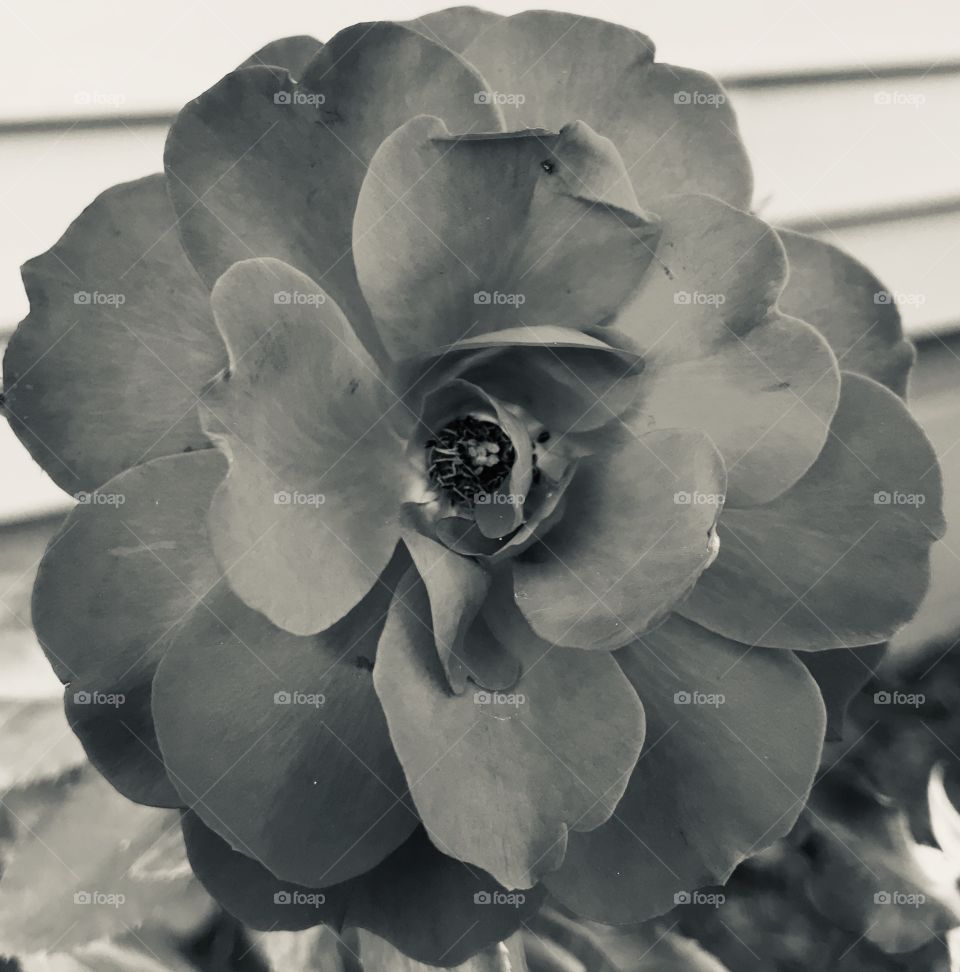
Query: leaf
(131, 953)
(77, 867)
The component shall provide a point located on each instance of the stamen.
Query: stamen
(468, 457)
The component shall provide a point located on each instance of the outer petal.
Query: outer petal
(308, 516)
(258, 166)
(278, 743)
(433, 908)
(293, 54)
(454, 27)
(674, 127)
(637, 531)
(455, 237)
(500, 779)
(122, 574)
(842, 558)
(105, 371)
(734, 741)
(849, 306)
(721, 358)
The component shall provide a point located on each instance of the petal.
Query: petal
(122, 574)
(840, 673)
(431, 907)
(500, 779)
(719, 355)
(842, 558)
(457, 587)
(278, 743)
(848, 305)
(765, 399)
(455, 237)
(258, 166)
(105, 371)
(454, 27)
(674, 127)
(725, 773)
(306, 519)
(293, 54)
(635, 535)
(567, 389)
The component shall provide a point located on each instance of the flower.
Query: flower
(466, 474)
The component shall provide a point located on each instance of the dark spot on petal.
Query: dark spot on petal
(353, 386)
(778, 386)
(544, 436)
(548, 166)
(364, 663)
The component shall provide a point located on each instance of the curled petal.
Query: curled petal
(842, 558)
(674, 127)
(637, 530)
(107, 369)
(116, 582)
(848, 305)
(458, 236)
(499, 779)
(307, 517)
(733, 742)
(278, 742)
(260, 166)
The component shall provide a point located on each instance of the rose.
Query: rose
(411, 407)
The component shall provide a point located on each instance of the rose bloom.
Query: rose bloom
(474, 492)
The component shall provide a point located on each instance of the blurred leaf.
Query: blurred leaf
(74, 868)
(872, 877)
(944, 819)
(131, 953)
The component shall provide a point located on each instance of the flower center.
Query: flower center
(470, 456)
